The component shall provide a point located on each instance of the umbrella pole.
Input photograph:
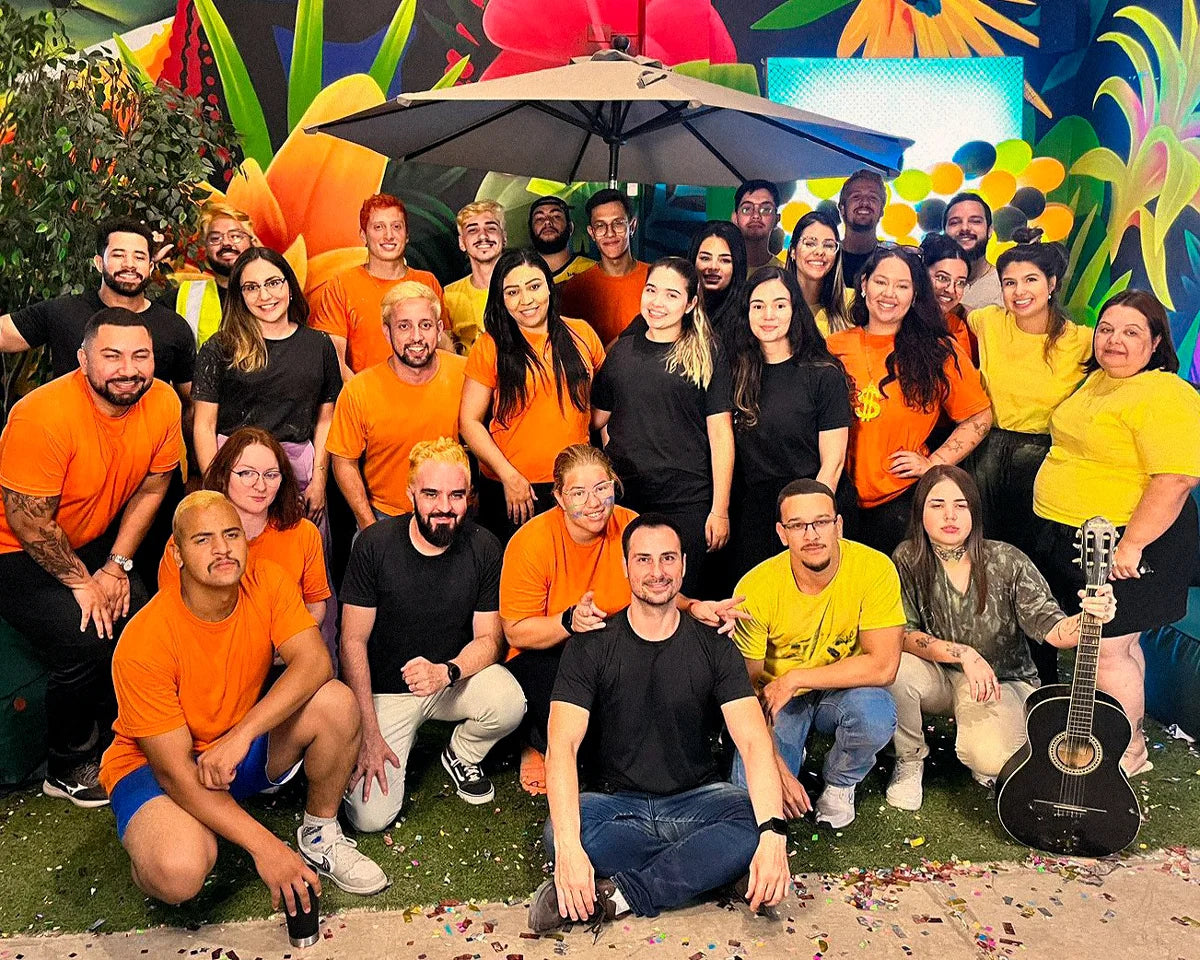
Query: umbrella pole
(614, 150)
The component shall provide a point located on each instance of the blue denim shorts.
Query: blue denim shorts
(141, 785)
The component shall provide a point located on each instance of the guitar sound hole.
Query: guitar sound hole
(1074, 756)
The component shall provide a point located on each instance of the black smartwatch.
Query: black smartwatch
(453, 670)
(774, 825)
(566, 621)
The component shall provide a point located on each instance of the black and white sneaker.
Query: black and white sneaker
(469, 781)
(79, 784)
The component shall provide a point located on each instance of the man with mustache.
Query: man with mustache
(550, 231)
(481, 236)
(861, 204)
(124, 262)
(95, 444)
(227, 234)
(421, 639)
(388, 408)
(968, 220)
(756, 214)
(200, 727)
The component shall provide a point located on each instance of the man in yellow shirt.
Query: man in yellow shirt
(481, 236)
(550, 231)
(821, 643)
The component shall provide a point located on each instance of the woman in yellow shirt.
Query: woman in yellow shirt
(1123, 446)
(815, 258)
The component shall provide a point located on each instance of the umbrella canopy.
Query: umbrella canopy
(613, 115)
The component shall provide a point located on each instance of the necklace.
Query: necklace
(867, 401)
(951, 555)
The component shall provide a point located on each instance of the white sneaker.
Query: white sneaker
(835, 806)
(334, 855)
(904, 791)
(988, 783)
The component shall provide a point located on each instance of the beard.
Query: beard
(555, 244)
(975, 252)
(439, 536)
(408, 361)
(817, 567)
(219, 268)
(120, 399)
(125, 288)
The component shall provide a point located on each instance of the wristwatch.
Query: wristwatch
(123, 562)
(774, 825)
(567, 616)
(453, 670)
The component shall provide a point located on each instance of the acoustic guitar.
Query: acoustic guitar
(1064, 791)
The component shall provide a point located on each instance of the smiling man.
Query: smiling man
(227, 233)
(968, 221)
(860, 203)
(481, 236)
(77, 453)
(385, 410)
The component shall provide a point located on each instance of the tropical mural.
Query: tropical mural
(1109, 161)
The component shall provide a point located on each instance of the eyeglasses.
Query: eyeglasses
(762, 209)
(251, 477)
(818, 526)
(617, 228)
(828, 246)
(274, 285)
(958, 283)
(577, 496)
(233, 236)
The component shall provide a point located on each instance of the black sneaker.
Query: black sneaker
(543, 908)
(469, 781)
(79, 784)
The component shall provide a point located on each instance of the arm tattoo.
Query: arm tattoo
(32, 520)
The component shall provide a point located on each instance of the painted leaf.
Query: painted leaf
(394, 43)
(735, 76)
(132, 64)
(304, 77)
(1154, 261)
(1168, 56)
(797, 13)
(450, 77)
(1141, 64)
(1101, 163)
(1179, 186)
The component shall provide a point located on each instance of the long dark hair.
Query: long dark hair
(804, 340)
(1051, 260)
(1148, 305)
(285, 510)
(832, 295)
(923, 342)
(516, 359)
(723, 305)
(926, 564)
(239, 334)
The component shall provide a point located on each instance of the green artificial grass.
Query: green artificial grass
(62, 868)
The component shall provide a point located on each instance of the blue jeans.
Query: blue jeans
(663, 851)
(861, 719)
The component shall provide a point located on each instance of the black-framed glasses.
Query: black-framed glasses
(818, 526)
(251, 477)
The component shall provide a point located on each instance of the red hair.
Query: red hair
(379, 201)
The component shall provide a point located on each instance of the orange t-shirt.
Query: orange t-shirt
(956, 321)
(348, 307)
(171, 669)
(380, 418)
(58, 444)
(298, 550)
(545, 571)
(884, 423)
(607, 303)
(536, 434)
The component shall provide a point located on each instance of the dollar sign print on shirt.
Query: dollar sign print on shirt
(867, 400)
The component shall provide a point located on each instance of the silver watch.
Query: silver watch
(123, 562)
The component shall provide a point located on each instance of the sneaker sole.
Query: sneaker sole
(360, 891)
(59, 793)
(903, 806)
(468, 797)
(823, 822)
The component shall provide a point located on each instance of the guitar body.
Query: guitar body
(1072, 803)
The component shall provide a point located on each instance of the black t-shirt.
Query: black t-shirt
(424, 606)
(655, 704)
(851, 264)
(658, 432)
(60, 322)
(283, 397)
(796, 402)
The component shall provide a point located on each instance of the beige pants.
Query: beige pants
(490, 705)
(987, 733)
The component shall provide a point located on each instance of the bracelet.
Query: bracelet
(567, 615)
(116, 576)
(719, 516)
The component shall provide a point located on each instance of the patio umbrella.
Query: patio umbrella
(613, 115)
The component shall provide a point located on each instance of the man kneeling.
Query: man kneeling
(667, 829)
(193, 736)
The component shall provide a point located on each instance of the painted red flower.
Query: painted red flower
(530, 40)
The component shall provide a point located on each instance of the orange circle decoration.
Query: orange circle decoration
(898, 219)
(997, 188)
(1045, 173)
(946, 178)
(791, 213)
(909, 241)
(1056, 221)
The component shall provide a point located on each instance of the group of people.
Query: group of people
(651, 523)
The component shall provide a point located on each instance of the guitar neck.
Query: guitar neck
(1083, 684)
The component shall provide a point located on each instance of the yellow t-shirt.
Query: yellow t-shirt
(1024, 388)
(1109, 438)
(790, 630)
(576, 265)
(465, 305)
(821, 315)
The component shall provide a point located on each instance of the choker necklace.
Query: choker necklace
(952, 555)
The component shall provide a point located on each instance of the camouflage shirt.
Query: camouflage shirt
(1018, 605)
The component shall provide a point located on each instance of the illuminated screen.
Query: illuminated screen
(939, 103)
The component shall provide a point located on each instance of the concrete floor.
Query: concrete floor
(1145, 908)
